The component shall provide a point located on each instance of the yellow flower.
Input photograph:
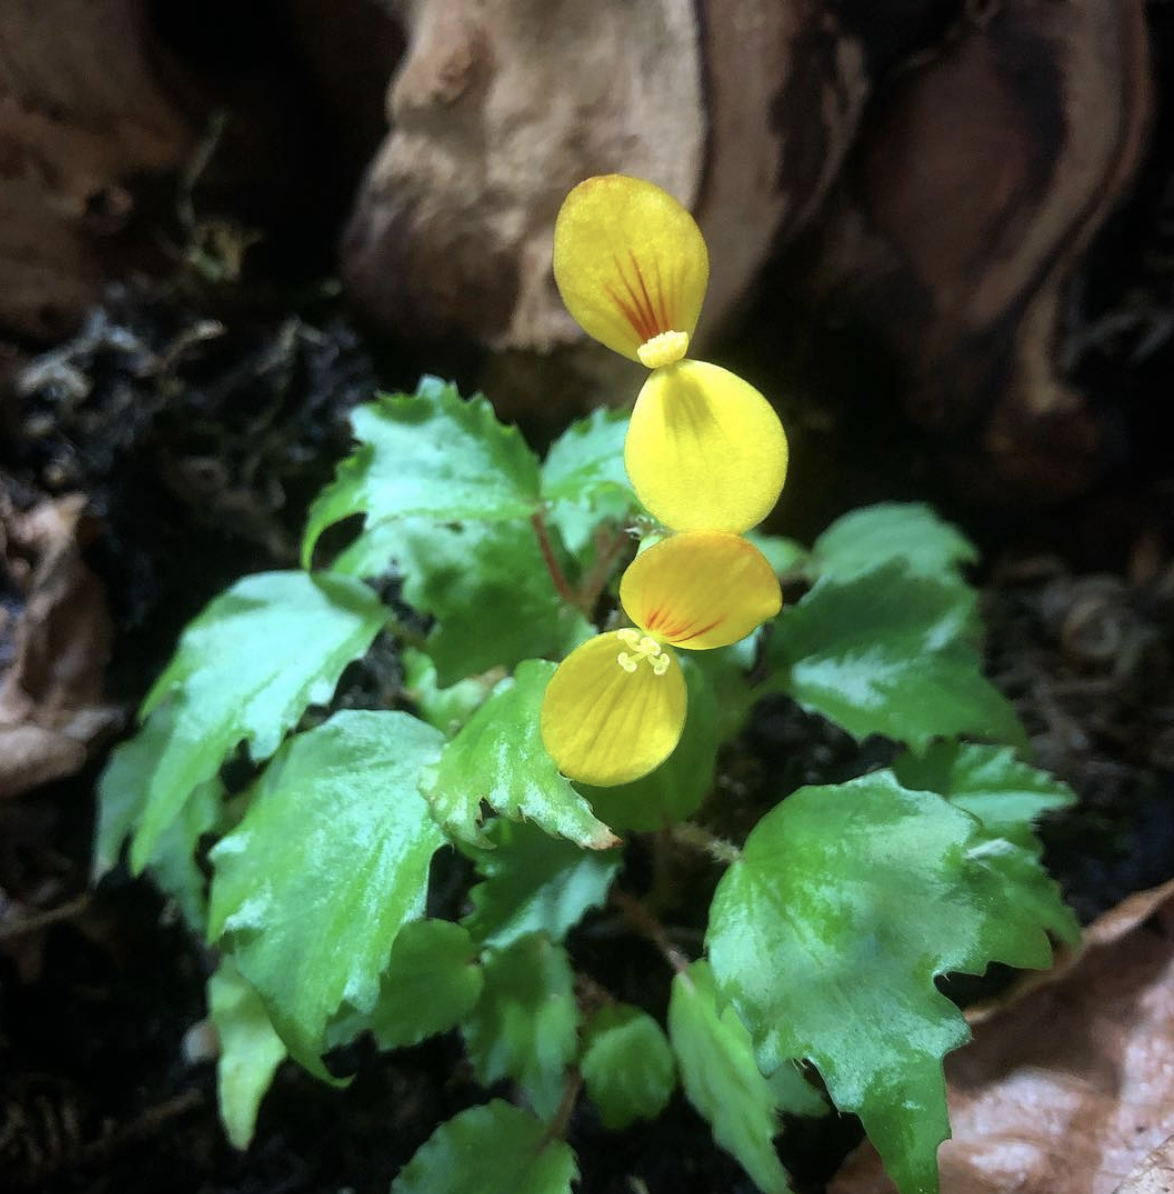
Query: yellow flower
(615, 708)
(704, 448)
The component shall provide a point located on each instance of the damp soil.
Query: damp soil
(199, 432)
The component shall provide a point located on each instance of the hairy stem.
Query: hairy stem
(688, 834)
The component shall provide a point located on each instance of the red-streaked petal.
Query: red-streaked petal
(630, 264)
(700, 589)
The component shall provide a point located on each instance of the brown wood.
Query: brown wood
(83, 123)
(970, 203)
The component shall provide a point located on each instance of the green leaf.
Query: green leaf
(728, 670)
(176, 868)
(486, 584)
(829, 933)
(576, 525)
(492, 596)
(533, 883)
(329, 862)
(587, 461)
(785, 555)
(627, 1065)
(245, 669)
(525, 1025)
(123, 785)
(676, 789)
(445, 708)
(122, 792)
(890, 653)
(721, 1078)
(907, 532)
(1005, 794)
(430, 453)
(499, 758)
(495, 1149)
(431, 984)
(250, 1051)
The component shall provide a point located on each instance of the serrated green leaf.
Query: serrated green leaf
(445, 708)
(486, 584)
(587, 460)
(890, 653)
(526, 1022)
(329, 862)
(495, 1149)
(827, 937)
(122, 787)
(491, 595)
(721, 1078)
(1004, 793)
(122, 792)
(245, 670)
(907, 532)
(1007, 796)
(250, 1051)
(175, 868)
(431, 984)
(535, 883)
(431, 453)
(627, 1065)
(676, 789)
(499, 758)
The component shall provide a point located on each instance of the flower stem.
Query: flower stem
(608, 549)
(557, 1128)
(561, 585)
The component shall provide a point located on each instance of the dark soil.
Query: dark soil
(199, 439)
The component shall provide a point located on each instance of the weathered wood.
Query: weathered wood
(82, 119)
(971, 201)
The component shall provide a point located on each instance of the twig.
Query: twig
(42, 920)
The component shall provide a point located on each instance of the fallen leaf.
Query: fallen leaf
(55, 640)
(1071, 1086)
(1156, 1175)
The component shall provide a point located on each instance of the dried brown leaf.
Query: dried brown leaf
(1156, 1175)
(57, 641)
(1071, 1086)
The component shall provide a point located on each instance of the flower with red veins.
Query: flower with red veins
(704, 448)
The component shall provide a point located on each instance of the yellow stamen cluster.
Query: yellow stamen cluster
(641, 647)
(663, 349)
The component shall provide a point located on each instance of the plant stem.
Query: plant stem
(557, 1128)
(648, 926)
(561, 585)
(717, 848)
(608, 548)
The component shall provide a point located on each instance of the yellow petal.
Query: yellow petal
(604, 724)
(700, 589)
(631, 266)
(705, 450)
